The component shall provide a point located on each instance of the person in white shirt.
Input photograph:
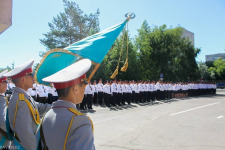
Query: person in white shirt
(107, 93)
(33, 93)
(124, 90)
(54, 94)
(42, 96)
(114, 92)
(154, 91)
(90, 93)
(141, 90)
(145, 91)
(129, 92)
(48, 92)
(120, 92)
(100, 91)
(136, 89)
(133, 91)
(95, 92)
(162, 95)
(158, 85)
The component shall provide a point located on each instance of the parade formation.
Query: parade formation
(40, 109)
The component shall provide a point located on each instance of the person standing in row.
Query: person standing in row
(158, 86)
(107, 93)
(42, 96)
(129, 92)
(133, 91)
(100, 91)
(137, 96)
(124, 94)
(89, 93)
(95, 92)
(32, 92)
(120, 93)
(4, 142)
(114, 92)
(54, 95)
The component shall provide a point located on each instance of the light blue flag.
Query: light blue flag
(95, 47)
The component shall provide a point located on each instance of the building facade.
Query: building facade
(214, 57)
(188, 34)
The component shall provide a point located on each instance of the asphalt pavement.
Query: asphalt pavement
(196, 123)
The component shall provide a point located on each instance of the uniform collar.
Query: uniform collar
(63, 103)
(17, 89)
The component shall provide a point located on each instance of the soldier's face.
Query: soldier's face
(3, 87)
(29, 81)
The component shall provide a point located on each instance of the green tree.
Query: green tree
(70, 26)
(203, 70)
(218, 68)
(162, 50)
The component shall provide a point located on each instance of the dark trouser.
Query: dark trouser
(141, 97)
(128, 98)
(158, 95)
(89, 101)
(161, 95)
(100, 98)
(133, 96)
(145, 95)
(49, 98)
(119, 99)
(151, 95)
(137, 97)
(106, 99)
(109, 99)
(53, 99)
(95, 98)
(114, 99)
(83, 104)
(124, 98)
(42, 100)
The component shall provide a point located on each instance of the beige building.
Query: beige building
(214, 57)
(5, 15)
(190, 35)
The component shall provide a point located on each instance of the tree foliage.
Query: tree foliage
(70, 26)
(162, 50)
(217, 69)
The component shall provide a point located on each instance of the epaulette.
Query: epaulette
(76, 113)
(33, 112)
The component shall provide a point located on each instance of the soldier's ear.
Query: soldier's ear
(75, 89)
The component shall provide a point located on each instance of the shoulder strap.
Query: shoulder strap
(75, 112)
(33, 112)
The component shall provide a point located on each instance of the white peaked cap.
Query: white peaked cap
(69, 76)
(21, 70)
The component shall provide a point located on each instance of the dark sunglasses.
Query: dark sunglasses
(31, 74)
(84, 81)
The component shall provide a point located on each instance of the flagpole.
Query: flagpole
(93, 72)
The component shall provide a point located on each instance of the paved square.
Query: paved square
(196, 123)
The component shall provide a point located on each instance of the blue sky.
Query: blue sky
(205, 18)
